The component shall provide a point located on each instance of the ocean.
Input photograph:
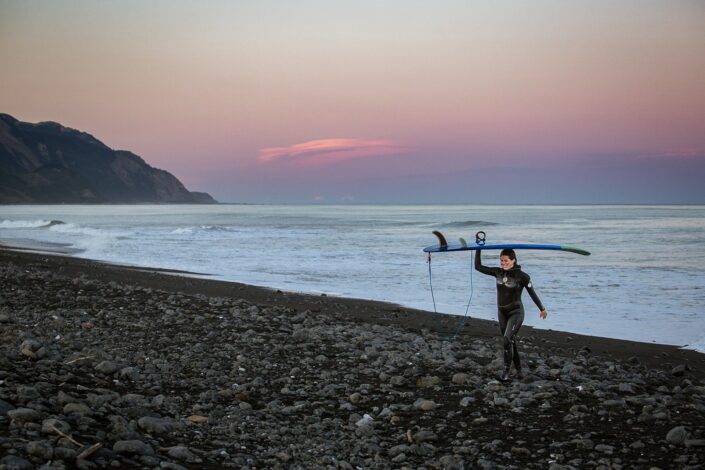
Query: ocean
(644, 281)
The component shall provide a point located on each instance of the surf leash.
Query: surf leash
(467, 307)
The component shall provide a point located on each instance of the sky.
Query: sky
(397, 101)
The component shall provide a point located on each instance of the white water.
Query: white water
(645, 280)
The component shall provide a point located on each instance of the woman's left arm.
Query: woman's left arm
(534, 296)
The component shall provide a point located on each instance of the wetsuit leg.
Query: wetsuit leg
(515, 322)
(509, 325)
(503, 320)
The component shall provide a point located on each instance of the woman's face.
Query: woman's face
(506, 262)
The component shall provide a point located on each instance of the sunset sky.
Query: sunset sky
(378, 101)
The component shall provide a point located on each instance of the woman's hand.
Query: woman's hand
(543, 314)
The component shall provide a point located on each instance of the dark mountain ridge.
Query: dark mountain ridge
(49, 163)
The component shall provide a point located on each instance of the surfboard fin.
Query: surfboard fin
(463, 243)
(441, 239)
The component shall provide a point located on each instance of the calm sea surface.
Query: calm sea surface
(645, 279)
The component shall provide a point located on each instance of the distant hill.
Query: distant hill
(51, 164)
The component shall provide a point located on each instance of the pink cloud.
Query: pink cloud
(328, 151)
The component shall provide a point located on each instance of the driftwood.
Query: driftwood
(409, 436)
(58, 431)
(78, 359)
(88, 452)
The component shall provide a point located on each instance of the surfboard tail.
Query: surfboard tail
(441, 239)
(575, 250)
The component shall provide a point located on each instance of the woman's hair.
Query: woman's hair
(508, 252)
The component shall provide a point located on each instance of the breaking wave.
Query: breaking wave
(697, 345)
(29, 223)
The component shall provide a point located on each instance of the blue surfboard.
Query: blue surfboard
(480, 244)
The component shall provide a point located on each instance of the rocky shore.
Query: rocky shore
(112, 367)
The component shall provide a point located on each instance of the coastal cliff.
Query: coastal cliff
(51, 164)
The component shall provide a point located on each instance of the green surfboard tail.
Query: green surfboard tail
(575, 250)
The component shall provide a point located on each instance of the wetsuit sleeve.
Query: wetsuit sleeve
(532, 293)
(480, 267)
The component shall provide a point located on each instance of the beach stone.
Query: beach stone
(32, 349)
(5, 407)
(96, 401)
(604, 448)
(678, 370)
(182, 453)
(12, 462)
(584, 443)
(40, 449)
(385, 413)
(637, 445)
(121, 429)
(129, 373)
(627, 388)
(500, 401)
(365, 426)
(460, 378)
(132, 447)
(425, 435)
(428, 381)
(156, 425)
(614, 403)
(398, 449)
(400, 458)
(677, 435)
(77, 408)
(171, 466)
(63, 453)
(397, 380)
(27, 393)
(302, 335)
(23, 415)
(64, 398)
(466, 401)
(151, 461)
(197, 419)
(522, 451)
(107, 367)
(451, 462)
(425, 405)
(366, 420)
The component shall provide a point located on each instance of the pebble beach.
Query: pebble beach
(106, 366)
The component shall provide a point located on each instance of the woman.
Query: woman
(511, 280)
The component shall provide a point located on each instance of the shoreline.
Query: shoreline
(369, 311)
(444, 319)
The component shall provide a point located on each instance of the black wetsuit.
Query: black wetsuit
(510, 310)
